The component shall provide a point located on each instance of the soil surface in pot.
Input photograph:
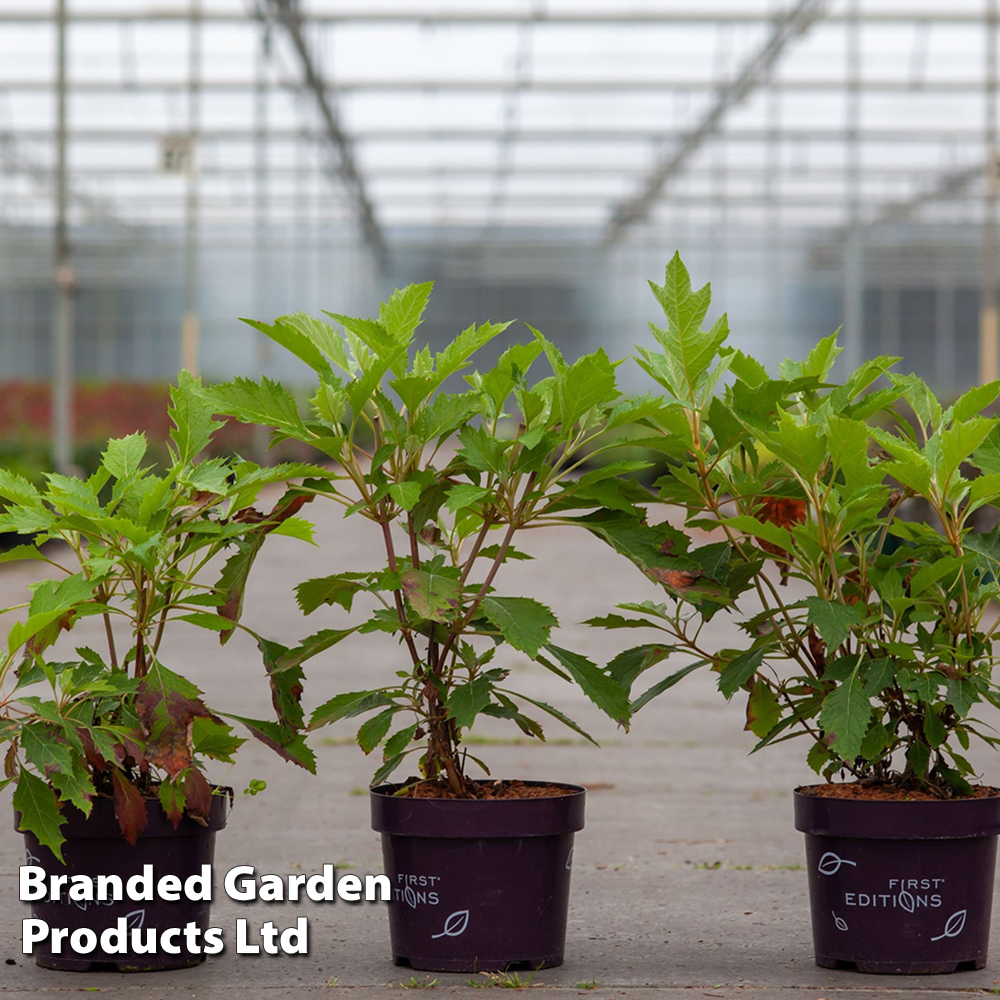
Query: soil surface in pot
(886, 793)
(486, 790)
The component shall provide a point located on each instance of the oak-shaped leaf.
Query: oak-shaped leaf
(167, 706)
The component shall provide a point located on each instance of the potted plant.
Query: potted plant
(481, 867)
(868, 636)
(107, 748)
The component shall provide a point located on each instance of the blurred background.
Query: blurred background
(167, 166)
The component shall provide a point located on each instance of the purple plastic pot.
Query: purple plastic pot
(900, 887)
(478, 886)
(95, 846)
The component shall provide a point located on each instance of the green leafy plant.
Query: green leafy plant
(866, 633)
(451, 477)
(135, 549)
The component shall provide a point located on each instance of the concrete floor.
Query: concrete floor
(687, 880)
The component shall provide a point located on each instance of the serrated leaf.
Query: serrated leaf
(610, 697)
(466, 701)
(123, 456)
(845, 716)
(36, 801)
(763, 710)
(833, 620)
(739, 670)
(282, 740)
(406, 494)
(522, 621)
(347, 706)
(374, 729)
(464, 495)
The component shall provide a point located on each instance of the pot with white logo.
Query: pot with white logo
(900, 886)
(478, 885)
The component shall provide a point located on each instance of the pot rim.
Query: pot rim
(924, 819)
(478, 818)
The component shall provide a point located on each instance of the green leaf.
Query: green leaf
(36, 801)
(347, 706)
(845, 715)
(191, 416)
(559, 716)
(123, 456)
(401, 315)
(398, 742)
(599, 687)
(973, 402)
(629, 664)
(296, 527)
(406, 494)
(374, 729)
(281, 739)
(45, 748)
(265, 402)
(876, 740)
(833, 620)
(763, 710)
(918, 757)
(337, 589)
(818, 757)
(589, 382)
(934, 728)
(664, 685)
(522, 621)
(289, 333)
(688, 352)
(464, 495)
(466, 701)
(739, 670)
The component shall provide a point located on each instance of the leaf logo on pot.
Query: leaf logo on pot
(839, 921)
(135, 919)
(454, 925)
(906, 901)
(830, 864)
(569, 860)
(954, 926)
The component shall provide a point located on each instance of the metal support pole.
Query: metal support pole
(190, 325)
(772, 306)
(63, 327)
(854, 247)
(262, 278)
(989, 319)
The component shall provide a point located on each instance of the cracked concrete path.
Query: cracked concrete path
(687, 880)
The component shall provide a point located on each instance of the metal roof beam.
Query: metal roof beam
(471, 16)
(286, 13)
(620, 86)
(582, 134)
(787, 27)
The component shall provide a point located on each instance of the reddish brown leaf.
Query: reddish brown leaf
(130, 754)
(94, 759)
(198, 794)
(10, 765)
(784, 512)
(817, 650)
(168, 718)
(676, 579)
(130, 807)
